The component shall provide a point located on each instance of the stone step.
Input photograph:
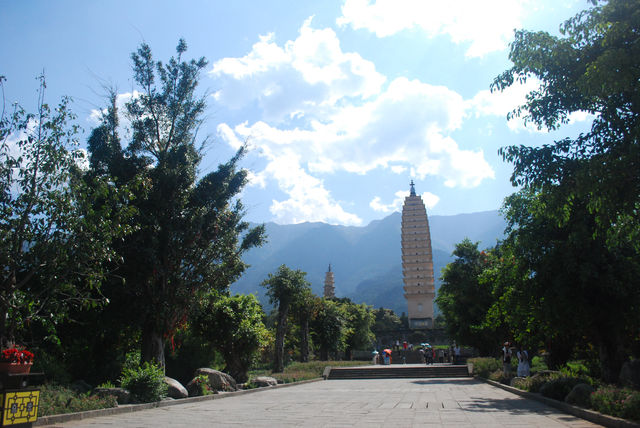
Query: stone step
(394, 372)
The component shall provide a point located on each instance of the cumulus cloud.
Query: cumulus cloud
(337, 114)
(306, 75)
(486, 26)
(430, 200)
(501, 103)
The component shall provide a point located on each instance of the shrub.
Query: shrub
(621, 402)
(202, 381)
(631, 406)
(535, 382)
(107, 384)
(498, 376)
(55, 400)
(484, 367)
(146, 383)
(560, 387)
(538, 365)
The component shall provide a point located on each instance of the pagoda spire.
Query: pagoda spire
(413, 189)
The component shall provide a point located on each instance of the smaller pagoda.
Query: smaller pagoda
(329, 287)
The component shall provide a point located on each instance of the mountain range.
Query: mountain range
(366, 261)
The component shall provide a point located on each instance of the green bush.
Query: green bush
(535, 382)
(484, 367)
(203, 383)
(538, 365)
(560, 387)
(146, 383)
(498, 376)
(620, 402)
(55, 400)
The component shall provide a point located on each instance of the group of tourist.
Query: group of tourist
(523, 360)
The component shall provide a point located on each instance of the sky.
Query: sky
(341, 102)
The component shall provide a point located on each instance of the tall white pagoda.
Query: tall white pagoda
(417, 262)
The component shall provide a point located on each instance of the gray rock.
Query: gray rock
(217, 380)
(122, 395)
(580, 395)
(262, 381)
(630, 374)
(175, 388)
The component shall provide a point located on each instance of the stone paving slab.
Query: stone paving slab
(456, 402)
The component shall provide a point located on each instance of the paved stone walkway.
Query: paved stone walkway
(355, 403)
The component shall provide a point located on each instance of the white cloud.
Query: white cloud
(501, 103)
(353, 125)
(486, 26)
(308, 199)
(309, 74)
(430, 200)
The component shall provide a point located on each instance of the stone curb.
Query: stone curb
(128, 408)
(589, 415)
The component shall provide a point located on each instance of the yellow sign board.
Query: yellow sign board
(19, 407)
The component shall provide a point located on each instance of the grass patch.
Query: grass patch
(296, 372)
(56, 400)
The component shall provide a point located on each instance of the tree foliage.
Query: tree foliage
(56, 230)
(284, 288)
(233, 324)
(190, 235)
(464, 300)
(574, 227)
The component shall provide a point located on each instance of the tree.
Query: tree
(582, 194)
(233, 324)
(55, 230)
(303, 310)
(360, 320)
(284, 289)
(464, 301)
(328, 328)
(190, 235)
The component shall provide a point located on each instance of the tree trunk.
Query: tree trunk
(304, 340)
(281, 328)
(153, 346)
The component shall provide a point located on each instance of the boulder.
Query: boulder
(630, 374)
(175, 388)
(580, 395)
(218, 381)
(122, 395)
(262, 381)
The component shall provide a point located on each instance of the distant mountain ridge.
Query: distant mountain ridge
(366, 261)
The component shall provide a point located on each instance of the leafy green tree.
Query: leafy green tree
(55, 229)
(464, 301)
(579, 218)
(328, 328)
(233, 324)
(284, 289)
(359, 322)
(190, 235)
(385, 321)
(303, 310)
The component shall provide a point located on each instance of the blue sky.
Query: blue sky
(342, 102)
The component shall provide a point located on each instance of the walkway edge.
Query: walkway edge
(128, 408)
(590, 415)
